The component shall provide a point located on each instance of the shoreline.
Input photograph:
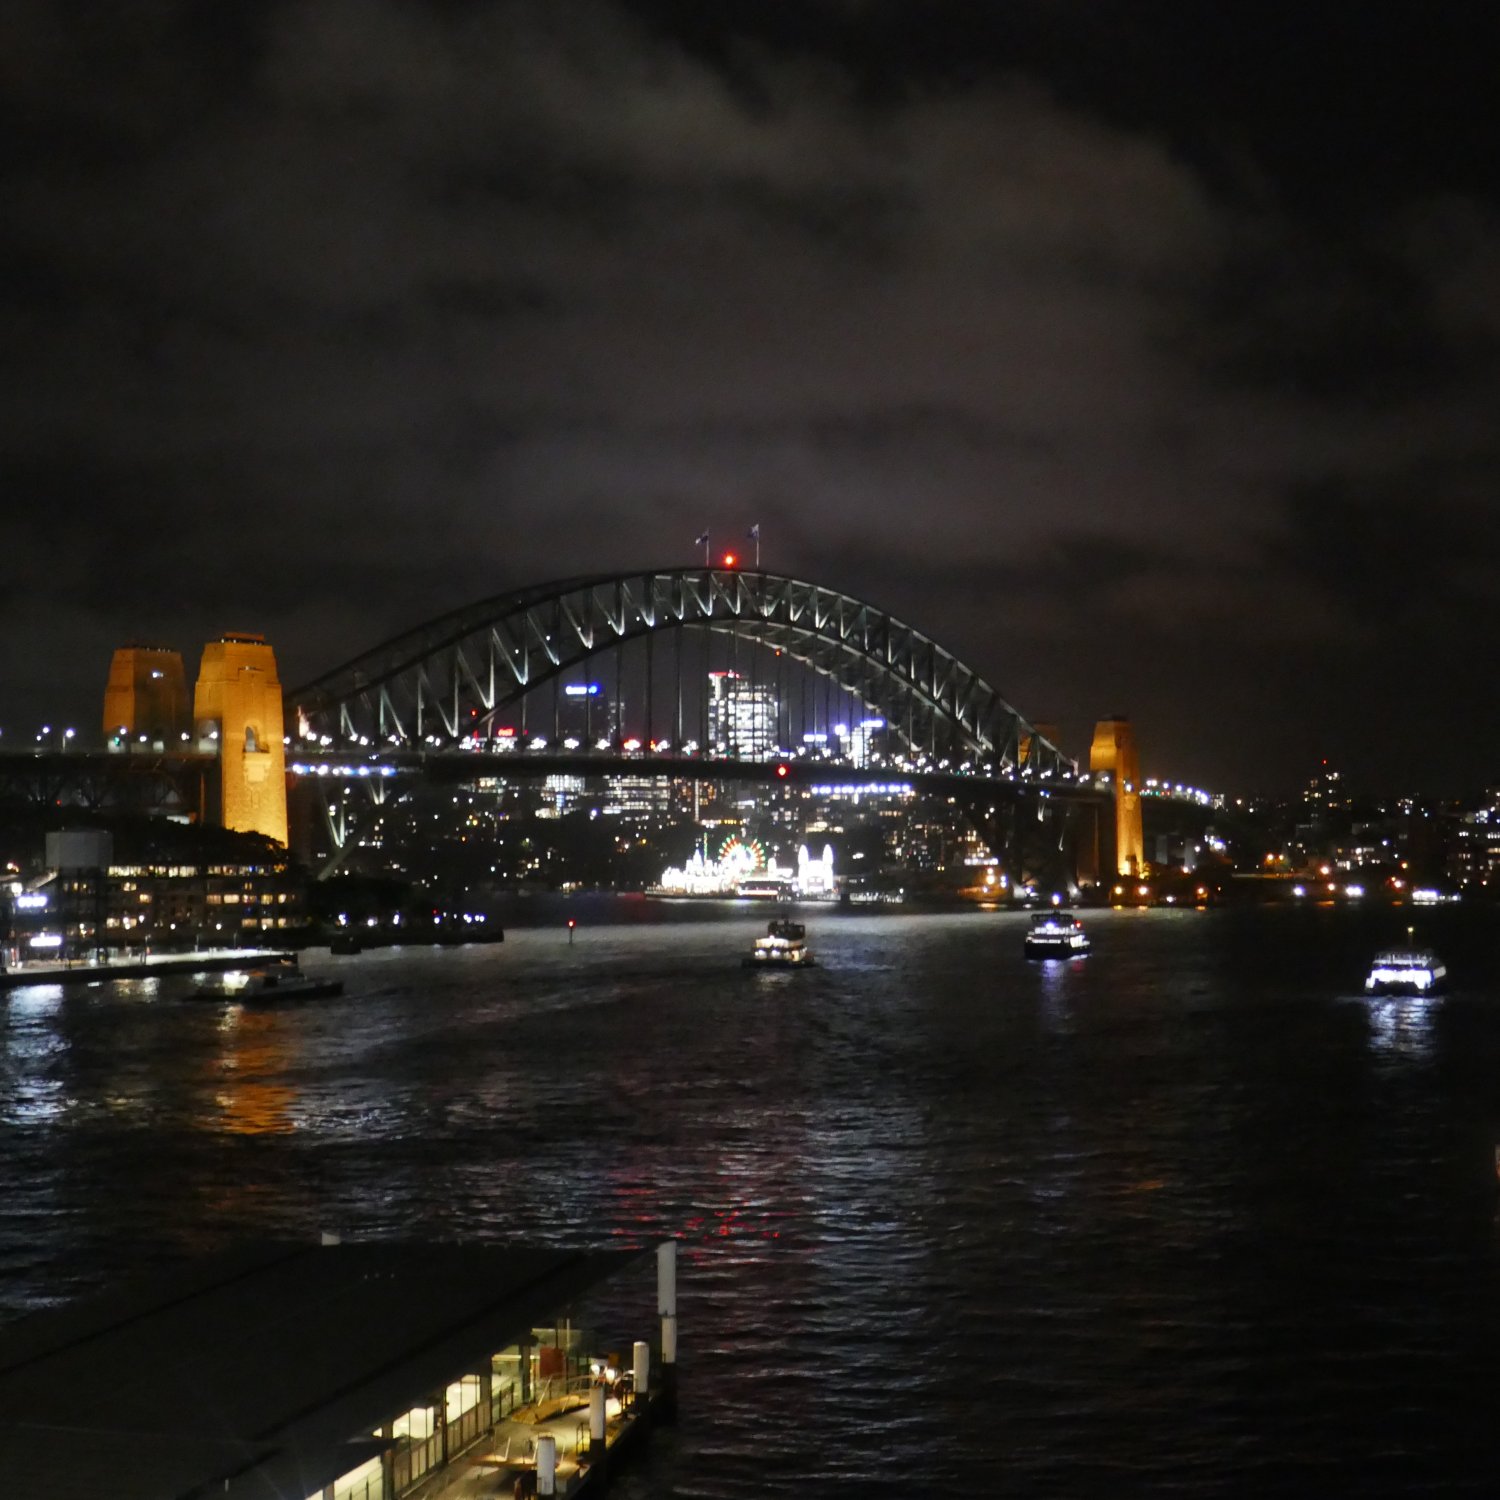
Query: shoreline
(140, 968)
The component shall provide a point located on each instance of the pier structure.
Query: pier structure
(372, 1371)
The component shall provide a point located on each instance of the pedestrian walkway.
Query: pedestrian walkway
(510, 1454)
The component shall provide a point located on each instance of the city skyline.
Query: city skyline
(1143, 359)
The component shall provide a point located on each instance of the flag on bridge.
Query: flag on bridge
(703, 542)
(755, 537)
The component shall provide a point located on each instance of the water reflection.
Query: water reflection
(1174, 1211)
(1403, 1025)
(252, 1096)
(35, 1052)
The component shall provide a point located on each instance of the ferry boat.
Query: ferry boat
(783, 947)
(275, 983)
(1056, 934)
(1405, 971)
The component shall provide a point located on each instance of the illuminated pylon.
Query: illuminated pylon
(1113, 752)
(237, 708)
(146, 698)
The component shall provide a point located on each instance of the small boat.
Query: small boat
(1405, 971)
(1056, 934)
(270, 985)
(783, 947)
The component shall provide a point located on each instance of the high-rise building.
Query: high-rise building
(237, 708)
(861, 742)
(586, 713)
(741, 718)
(146, 698)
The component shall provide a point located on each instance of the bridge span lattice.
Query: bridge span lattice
(456, 678)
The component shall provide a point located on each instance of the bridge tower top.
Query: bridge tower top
(146, 695)
(238, 696)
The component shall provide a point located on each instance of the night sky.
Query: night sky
(1145, 355)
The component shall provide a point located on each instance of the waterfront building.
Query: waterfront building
(165, 903)
(171, 889)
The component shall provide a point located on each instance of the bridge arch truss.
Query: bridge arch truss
(460, 674)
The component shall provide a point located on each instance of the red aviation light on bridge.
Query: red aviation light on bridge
(730, 559)
(783, 771)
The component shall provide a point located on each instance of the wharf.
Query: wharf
(435, 1352)
(83, 971)
(507, 1463)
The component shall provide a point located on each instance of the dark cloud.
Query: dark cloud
(1134, 352)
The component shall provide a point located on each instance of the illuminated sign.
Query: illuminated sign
(581, 689)
(33, 902)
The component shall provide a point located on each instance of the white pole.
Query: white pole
(642, 1369)
(546, 1464)
(666, 1304)
(666, 1278)
(596, 1414)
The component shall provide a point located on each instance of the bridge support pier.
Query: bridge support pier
(1113, 752)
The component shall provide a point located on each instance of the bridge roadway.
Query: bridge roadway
(97, 778)
(460, 767)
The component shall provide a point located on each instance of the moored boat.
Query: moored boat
(1056, 934)
(270, 985)
(783, 947)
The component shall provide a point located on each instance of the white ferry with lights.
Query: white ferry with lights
(1056, 934)
(270, 985)
(1406, 971)
(783, 947)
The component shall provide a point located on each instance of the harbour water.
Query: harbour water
(1188, 1216)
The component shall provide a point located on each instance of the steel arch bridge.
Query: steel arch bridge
(455, 676)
